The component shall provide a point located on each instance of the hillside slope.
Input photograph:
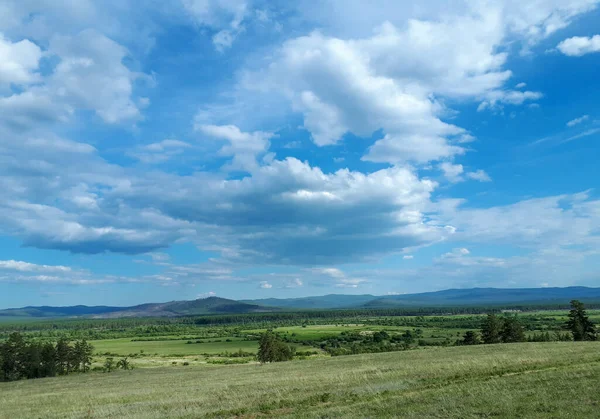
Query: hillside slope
(488, 297)
(502, 381)
(211, 305)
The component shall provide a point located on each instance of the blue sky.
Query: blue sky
(254, 149)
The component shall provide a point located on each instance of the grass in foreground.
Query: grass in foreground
(517, 380)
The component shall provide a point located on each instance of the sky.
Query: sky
(155, 151)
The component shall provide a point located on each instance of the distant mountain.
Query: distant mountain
(481, 297)
(46, 311)
(487, 296)
(331, 301)
(452, 297)
(211, 305)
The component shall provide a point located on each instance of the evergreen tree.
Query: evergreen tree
(12, 358)
(48, 357)
(491, 328)
(512, 331)
(64, 356)
(579, 323)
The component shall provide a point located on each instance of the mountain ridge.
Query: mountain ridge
(218, 305)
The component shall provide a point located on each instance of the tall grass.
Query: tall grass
(516, 380)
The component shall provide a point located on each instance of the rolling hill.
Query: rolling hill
(211, 305)
(331, 301)
(215, 305)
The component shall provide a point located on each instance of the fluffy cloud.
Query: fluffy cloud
(455, 173)
(265, 285)
(552, 222)
(224, 16)
(479, 175)
(452, 172)
(243, 147)
(396, 78)
(19, 62)
(91, 75)
(580, 45)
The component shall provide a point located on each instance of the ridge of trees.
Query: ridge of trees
(20, 359)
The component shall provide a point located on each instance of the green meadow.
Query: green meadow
(527, 380)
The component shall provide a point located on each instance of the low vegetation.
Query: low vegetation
(557, 379)
(431, 360)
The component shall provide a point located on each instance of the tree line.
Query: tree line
(508, 329)
(21, 359)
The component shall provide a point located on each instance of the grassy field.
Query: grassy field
(128, 346)
(542, 380)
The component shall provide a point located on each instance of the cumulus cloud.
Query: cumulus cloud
(452, 172)
(396, 78)
(479, 175)
(558, 221)
(455, 173)
(580, 45)
(224, 16)
(578, 121)
(91, 75)
(243, 147)
(265, 285)
(19, 62)
(60, 193)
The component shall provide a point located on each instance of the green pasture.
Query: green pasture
(528, 380)
(128, 346)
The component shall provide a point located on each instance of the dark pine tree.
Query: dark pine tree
(491, 329)
(579, 323)
(512, 330)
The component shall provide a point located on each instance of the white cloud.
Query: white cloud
(158, 152)
(14, 265)
(583, 134)
(265, 285)
(91, 75)
(521, 85)
(452, 172)
(557, 221)
(458, 252)
(242, 146)
(295, 283)
(224, 16)
(580, 45)
(88, 74)
(349, 283)
(578, 121)
(332, 272)
(479, 175)
(19, 62)
(455, 173)
(206, 295)
(498, 98)
(396, 78)
(408, 257)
